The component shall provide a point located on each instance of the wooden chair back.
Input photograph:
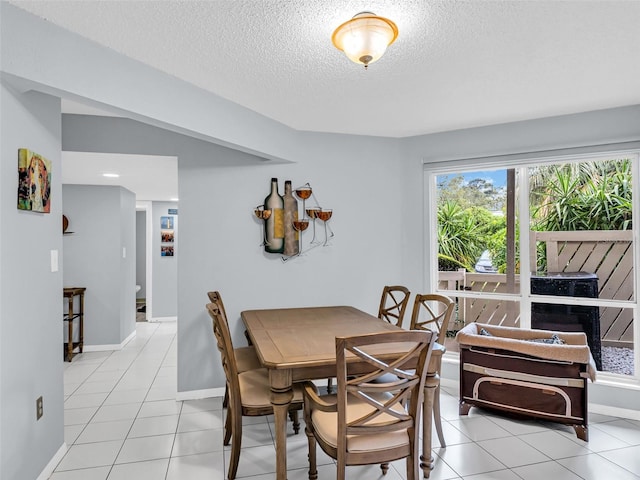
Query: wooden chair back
(388, 407)
(215, 297)
(225, 346)
(393, 303)
(432, 312)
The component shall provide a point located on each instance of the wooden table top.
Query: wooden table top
(305, 337)
(71, 291)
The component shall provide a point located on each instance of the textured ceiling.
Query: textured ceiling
(456, 64)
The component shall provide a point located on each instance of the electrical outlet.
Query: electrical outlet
(39, 408)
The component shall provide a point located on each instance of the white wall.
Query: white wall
(103, 221)
(31, 354)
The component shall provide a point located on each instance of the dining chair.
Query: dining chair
(393, 303)
(369, 423)
(214, 297)
(246, 357)
(433, 312)
(249, 391)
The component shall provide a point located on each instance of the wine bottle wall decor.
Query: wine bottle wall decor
(283, 223)
(291, 246)
(274, 225)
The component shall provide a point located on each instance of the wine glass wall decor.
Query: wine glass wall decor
(283, 224)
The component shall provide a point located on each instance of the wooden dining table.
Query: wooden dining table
(297, 344)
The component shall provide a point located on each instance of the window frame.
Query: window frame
(521, 163)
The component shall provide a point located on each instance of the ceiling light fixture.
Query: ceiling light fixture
(110, 175)
(365, 37)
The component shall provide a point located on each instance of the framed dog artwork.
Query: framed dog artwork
(34, 182)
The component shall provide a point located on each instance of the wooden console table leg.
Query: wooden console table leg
(70, 342)
(81, 322)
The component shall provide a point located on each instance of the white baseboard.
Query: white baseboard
(614, 411)
(198, 394)
(53, 463)
(162, 319)
(104, 348)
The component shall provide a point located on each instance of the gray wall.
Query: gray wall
(127, 273)
(218, 236)
(141, 253)
(219, 241)
(165, 269)
(103, 221)
(30, 294)
(586, 131)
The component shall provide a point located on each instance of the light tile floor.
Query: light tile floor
(122, 422)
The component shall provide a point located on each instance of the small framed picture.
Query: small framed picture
(166, 250)
(166, 223)
(166, 236)
(34, 182)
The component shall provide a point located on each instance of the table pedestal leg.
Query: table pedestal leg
(281, 396)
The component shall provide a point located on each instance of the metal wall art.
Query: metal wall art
(283, 223)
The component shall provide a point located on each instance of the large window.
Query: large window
(569, 263)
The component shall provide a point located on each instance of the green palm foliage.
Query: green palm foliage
(582, 196)
(459, 236)
(566, 197)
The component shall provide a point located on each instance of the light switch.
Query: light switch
(54, 260)
(124, 252)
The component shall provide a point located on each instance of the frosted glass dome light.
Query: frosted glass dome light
(365, 37)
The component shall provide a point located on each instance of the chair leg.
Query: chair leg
(313, 470)
(227, 428)
(341, 466)
(236, 444)
(225, 400)
(436, 416)
(293, 415)
(329, 386)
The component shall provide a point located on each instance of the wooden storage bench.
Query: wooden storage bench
(508, 369)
